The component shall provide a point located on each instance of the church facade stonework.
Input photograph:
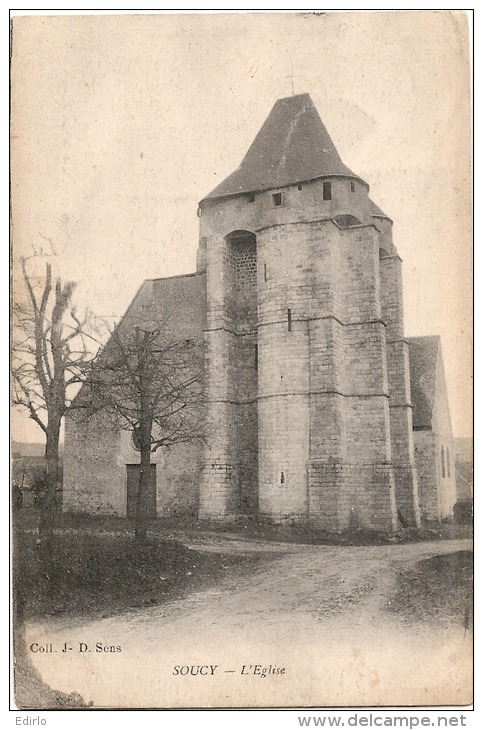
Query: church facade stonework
(298, 301)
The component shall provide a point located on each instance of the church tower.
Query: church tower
(307, 374)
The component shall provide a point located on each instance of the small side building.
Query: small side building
(432, 433)
(101, 472)
(464, 468)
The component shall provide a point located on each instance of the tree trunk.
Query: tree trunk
(48, 499)
(141, 501)
(145, 434)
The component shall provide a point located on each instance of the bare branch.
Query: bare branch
(49, 356)
(149, 376)
(27, 402)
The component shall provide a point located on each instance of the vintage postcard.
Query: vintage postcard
(242, 435)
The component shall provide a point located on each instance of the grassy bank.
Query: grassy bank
(437, 589)
(100, 575)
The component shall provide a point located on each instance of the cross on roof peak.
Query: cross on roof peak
(292, 76)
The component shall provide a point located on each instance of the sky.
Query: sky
(121, 124)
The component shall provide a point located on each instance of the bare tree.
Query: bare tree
(49, 355)
(149, 382)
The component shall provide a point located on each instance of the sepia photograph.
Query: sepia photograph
(241, 360)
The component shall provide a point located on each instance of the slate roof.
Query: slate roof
(175, 303)
(178, 301)
(292, 146)
(423, 356)
(376, 211)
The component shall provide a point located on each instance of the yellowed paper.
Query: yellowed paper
(120, 126)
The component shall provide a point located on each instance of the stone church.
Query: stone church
(318, 408)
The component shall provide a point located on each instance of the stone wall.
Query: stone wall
(441, 423)
(400, 406)
(230, 470)
(434, 446)
(93, 472)
(305, 366)
(244, 263)
(349, 391)
(426, 455)
(177, 476)
(322, 378)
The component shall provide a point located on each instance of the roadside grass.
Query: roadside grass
(437, 589)
(253, 529)
(99, 575)
(309, 534)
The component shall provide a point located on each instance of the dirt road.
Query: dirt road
(314, 618)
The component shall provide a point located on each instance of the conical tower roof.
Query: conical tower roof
(292, 146)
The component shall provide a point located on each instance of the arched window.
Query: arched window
(443, 463)
(448, 472)
(136, 439)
